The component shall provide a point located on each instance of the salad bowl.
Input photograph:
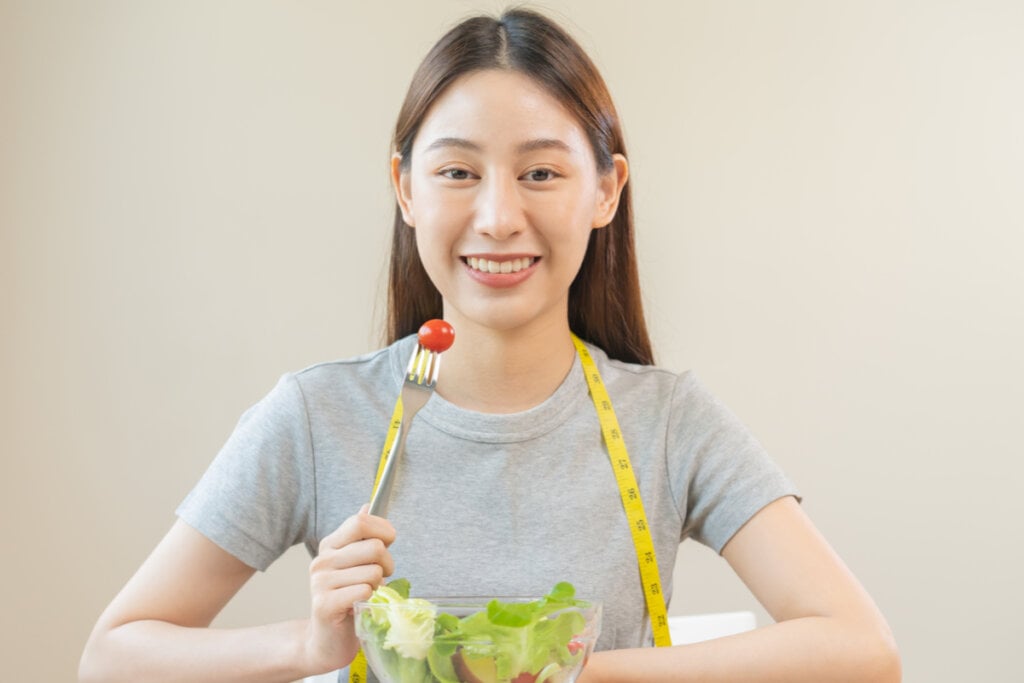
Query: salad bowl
(476, 640)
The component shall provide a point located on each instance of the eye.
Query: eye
(540, 175)
(455, 173)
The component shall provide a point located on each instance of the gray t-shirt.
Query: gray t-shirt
(487, 504)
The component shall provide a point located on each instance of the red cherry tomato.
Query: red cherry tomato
(436, 335)
(574, 646)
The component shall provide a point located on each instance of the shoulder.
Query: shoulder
(653, 381)
(679, 398)
(369, 369)
(333, 385)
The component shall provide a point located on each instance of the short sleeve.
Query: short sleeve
(724, 476)
(256, 499)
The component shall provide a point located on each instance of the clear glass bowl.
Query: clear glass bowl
(413, 644)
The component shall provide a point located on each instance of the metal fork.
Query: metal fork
(420, 378)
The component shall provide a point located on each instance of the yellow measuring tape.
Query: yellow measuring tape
(650, 578)
(629, 491)
(357, 669)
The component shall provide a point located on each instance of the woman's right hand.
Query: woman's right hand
(351, 562)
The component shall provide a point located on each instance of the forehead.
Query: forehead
(497, 106)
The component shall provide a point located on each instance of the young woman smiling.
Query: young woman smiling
(513, 222)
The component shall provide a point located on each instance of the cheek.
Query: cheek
(438, 207)
(435, 241)
(574, 204)
(567, 221)
(430, 244)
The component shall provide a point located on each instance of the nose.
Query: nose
(499, 210)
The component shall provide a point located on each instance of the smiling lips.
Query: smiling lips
(511, 266)
(500, 273)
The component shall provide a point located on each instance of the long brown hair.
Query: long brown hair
(605, 305)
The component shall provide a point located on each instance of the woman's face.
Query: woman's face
(503, 191)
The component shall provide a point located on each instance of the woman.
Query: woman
(513, 223)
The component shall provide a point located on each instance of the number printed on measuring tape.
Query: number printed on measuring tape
(630, 493)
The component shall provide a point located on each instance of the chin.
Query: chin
(499, 318)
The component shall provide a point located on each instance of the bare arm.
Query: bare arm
(157, 628)
(828, 629)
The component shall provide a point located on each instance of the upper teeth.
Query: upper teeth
(487, 266)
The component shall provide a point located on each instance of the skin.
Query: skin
(494, 190)
(500, 168)
(828, 629)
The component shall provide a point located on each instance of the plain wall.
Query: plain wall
(194, 200)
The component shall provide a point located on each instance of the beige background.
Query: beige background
(193, 200)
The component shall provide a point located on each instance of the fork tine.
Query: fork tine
(415, 370)
(422, 367)
(412, 361)
(435, 366)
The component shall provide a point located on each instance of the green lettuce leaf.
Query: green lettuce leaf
(418, 645)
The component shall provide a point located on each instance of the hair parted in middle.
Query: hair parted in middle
(605, 306)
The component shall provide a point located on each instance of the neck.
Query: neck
(492, 371)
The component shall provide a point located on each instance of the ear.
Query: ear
(609, 190)
(403, 190)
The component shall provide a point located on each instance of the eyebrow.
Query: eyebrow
(528, 146)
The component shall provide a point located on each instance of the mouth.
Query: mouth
(497, 266)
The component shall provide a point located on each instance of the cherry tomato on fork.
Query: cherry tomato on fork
(436, 335)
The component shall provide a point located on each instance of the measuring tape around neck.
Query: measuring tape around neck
(647, 560)
(629, 491)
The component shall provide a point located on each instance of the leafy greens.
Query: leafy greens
(408, 640)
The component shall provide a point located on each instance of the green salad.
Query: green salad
(412, 640)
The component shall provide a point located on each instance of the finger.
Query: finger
(358, 527)
(368, 551)
(371, 575)
(365, 510)
(336, 605)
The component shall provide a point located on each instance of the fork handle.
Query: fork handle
(379, 502)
